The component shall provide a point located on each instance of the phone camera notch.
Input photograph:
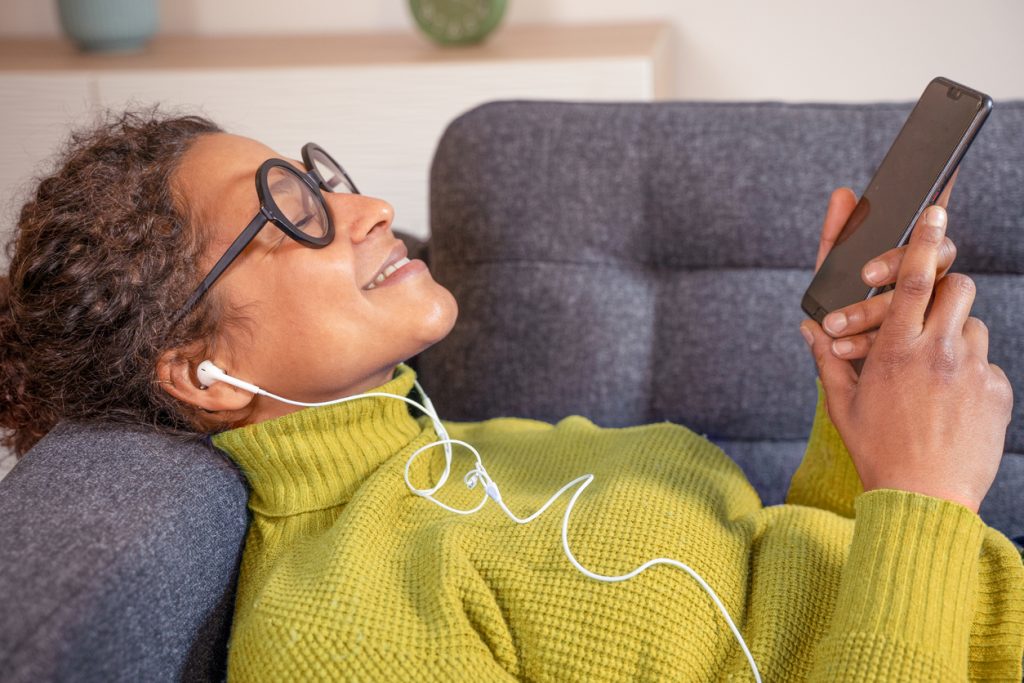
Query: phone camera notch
(954, 93)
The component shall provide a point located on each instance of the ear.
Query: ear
(176, 373)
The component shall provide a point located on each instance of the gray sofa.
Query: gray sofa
(625, 261)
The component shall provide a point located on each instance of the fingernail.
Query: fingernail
(935, 216)
(808, 337)
(876, 271)
(842, 347)
(835, 322)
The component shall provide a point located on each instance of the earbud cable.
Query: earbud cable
(479, 474)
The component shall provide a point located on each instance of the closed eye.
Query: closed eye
(304, 220)
(276, 244)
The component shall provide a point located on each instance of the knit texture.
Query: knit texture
(347, 575)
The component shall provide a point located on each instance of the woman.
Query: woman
(148, 252)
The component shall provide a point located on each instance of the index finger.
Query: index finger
(916, 279)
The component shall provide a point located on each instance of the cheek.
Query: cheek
(310, 317)
(302, 310)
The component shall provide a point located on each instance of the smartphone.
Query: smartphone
(913, 173)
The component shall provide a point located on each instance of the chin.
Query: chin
(437, 320)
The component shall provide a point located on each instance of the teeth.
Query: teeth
(386, 273)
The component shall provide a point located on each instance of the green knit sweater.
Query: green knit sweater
(346, 575)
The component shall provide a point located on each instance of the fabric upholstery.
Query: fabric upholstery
(119, 558)
(652, 258)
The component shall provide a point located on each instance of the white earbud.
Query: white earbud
(209, 374)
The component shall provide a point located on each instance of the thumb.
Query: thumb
(838, 377)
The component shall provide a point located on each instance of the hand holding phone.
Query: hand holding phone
(929, 413)
(915, 170)
(854, 327)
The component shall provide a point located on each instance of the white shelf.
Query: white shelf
(378, 102)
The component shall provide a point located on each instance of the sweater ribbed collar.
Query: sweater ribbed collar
(316, 458)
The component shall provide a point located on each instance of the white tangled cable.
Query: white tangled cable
(479, 474)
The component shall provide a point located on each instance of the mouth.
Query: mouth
(395, 260)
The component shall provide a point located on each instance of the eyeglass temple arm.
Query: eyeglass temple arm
(240, 243)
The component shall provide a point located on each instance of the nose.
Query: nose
(358, 215)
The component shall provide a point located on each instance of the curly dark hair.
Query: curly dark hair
(103, 255)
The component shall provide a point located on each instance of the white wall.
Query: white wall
(796, 50)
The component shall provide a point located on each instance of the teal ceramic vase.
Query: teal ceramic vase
(108, 25)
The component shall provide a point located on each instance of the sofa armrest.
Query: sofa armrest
(119, 558)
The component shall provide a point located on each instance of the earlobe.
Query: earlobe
(176, 375)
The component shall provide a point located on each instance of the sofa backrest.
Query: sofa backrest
(635, 262)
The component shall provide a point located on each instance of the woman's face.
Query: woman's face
(310, 329)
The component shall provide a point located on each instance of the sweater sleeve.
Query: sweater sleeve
(928, 593)
(826, 478)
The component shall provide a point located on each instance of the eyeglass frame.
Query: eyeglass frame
(269, 212)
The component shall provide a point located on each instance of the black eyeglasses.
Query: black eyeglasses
(291, 200)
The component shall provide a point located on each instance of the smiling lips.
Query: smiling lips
(386, 273)
(395, 260)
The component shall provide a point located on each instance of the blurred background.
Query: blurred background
(368, 83)
(726, 49)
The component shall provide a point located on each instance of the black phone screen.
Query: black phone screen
(910, 178)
